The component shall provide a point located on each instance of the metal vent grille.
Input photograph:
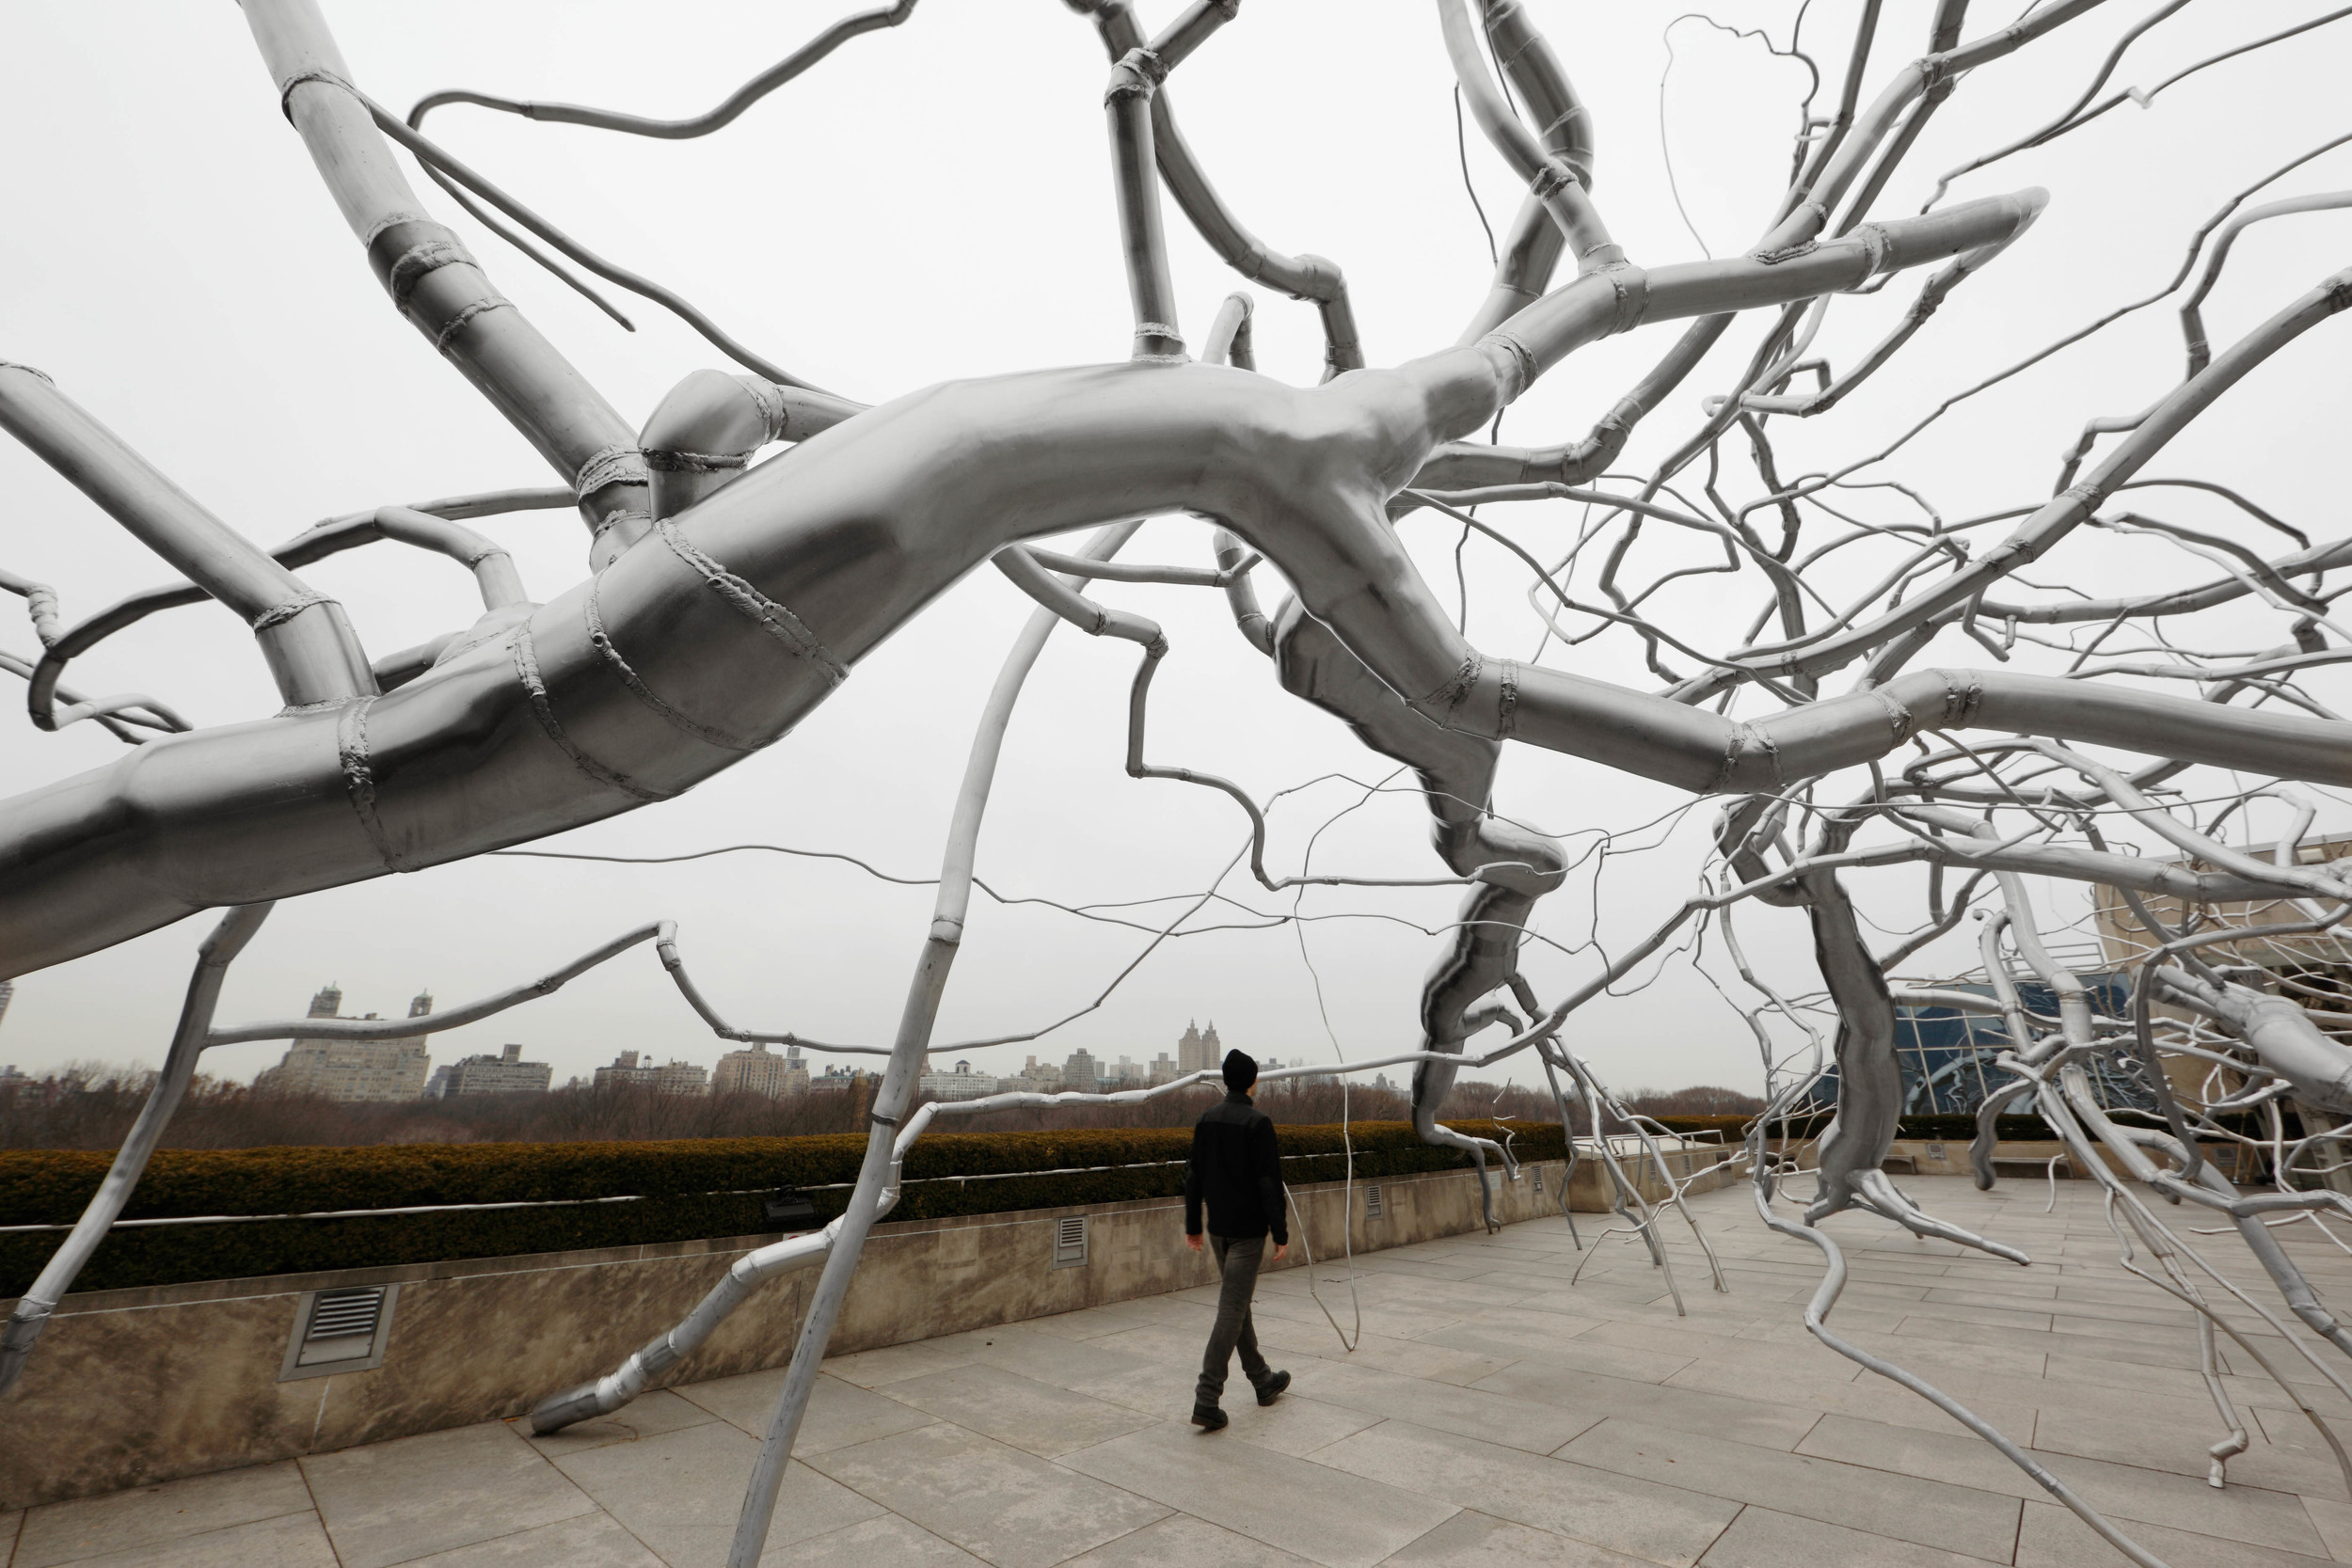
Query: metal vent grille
(342, 1330)
(345, 1314)
(1539, 1178)
(1371, 1201)
(1070, 1242)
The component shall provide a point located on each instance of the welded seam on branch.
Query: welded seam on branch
(771, 617)
(638, 689)
(351, 746)
(527, 667)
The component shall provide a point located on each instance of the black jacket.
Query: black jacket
(1236, 1170)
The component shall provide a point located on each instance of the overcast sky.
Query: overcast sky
(935, 203)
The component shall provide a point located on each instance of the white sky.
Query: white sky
(935, 203)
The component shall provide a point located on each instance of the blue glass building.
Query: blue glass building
(1947, 1055)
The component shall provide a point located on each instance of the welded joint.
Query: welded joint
(526, 661)
(1137, 73)
(278, 614)
(418, 262)
(748, 601)
(1631, 285)
(1519, 370)
(1901, 723)
(1449, 695)
(592, 613)
(350, 748)
(1875, 246)
(765, 396)
(612, 464)
(662, 462)
(1746, 749)
(286, 88)
(458, 323)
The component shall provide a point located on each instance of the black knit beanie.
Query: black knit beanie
(1241, 1070)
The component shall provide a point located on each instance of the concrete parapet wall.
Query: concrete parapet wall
(1696, 1167)
(133, 1387)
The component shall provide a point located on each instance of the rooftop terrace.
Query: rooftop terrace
(1493, 1415)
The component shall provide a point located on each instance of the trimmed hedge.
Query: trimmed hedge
(1808, 1124)
(689, 1190)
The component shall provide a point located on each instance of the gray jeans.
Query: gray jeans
(1237, 1260)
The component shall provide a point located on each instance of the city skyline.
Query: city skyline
(408, 1067)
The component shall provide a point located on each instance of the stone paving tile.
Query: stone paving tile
(1933, 1357)
(2246, 1514)
(93, 1526)
(888, 1540)
(838, 1413)
(1517, 1340)
(1712, 1322)
(591, 1541)
(2052, 1537)
(1181, 1541)
(1450, 1297)
(1094, 1322)
(1390, 1319)
(2292, 1429)
(873, 1368)
(1158, 1388)
(679, 1492)
(1004, 1506)
(2155, 1444)
(1972, 1522)
(2151, 1308)
(2133, 1352)
(1162, 1344)
(1293, 1424)
(1474, 1412)
(1064, 1363)
(1762, 1538)
(392, 1501)
(289, 1541)
(1931, 1310)
(1036, 1417)
(1662, 1523)
(1396, 1262)
(2014, 1288)
(1781, 1354)
(1470, 1540)
(1412, 1358)
(2333, 1518)
(1864, 1292)
(1304, 1508)
(1594, 1300)
(2256, 1391)
(1772, 1426)
(648, 1415)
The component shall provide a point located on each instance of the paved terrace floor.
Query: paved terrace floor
(1494, 1414)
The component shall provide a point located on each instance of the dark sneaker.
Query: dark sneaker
(1208, 1417)
(1271, 1389)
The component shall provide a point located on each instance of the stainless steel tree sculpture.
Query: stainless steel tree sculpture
(729, 598)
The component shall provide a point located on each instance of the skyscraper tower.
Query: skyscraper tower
(353, 1069)
(1188, 1050)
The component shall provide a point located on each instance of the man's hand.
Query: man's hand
(1280, 1248)
(1193, 1240)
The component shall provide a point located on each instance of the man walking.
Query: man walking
(1236, 1170)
